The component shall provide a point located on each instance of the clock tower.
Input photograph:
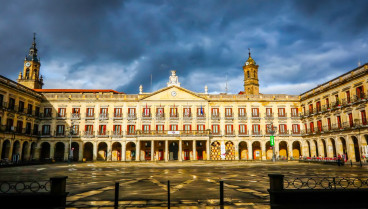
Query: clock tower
(31, 69)
(251, 85)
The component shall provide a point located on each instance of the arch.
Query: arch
(283, 151)
(355, 148)
(33, 150)
(25, 151)
(201, 150)
(324, 148)
(116, 151)
(159, 151)
(344, 148)
(187, 149)
(254, 74)
(130, 151)
(248, 74)
(316, 147)
(296, 149)
(365, 142)
(59, 151)
(333, 147)
(243, 151)
(309, 149)
(75, 151)
(16, 151)
(257, 151)
(27, 74)
(45, 151)
(102, 151)
(269, 150)
(5, 152)
(88, 151)
(229, 150)
(215, 150)
(146, 150)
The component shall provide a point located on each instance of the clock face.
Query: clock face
(28, 64)
(173, 93)
(247, 63)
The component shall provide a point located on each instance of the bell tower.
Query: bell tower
(251, 85)
(31, 69)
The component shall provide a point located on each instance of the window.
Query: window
(215, 112)
(117, 129)
(29, 110)
(104, 111)
(9, 124)
(60, 130)
(294, 112)
(90, 112)
(268, 128)
(351, 119)
(364, 118)
(269, 112)
(229, 129)
(27, 73)
(255, 112)
(281, 112)
(21, 106)
(337, 100)
(61, 112)
(173, 127)
(242, 129)
(282, 129)
(305, 128)
(160, 112)
(187, 128)
(146, 112)
(146, 128)
(173, 112)
(131, 129)
(160, 128)
(102, 130)
(329, 123)
(310, 108)
(11, 103)
(186, 112)
(338, 118)
(47, 112)
(28, 128)
(319, 125)
(76, 111)
(296, 129)
(327, 103)
(360, 92)
(89, 129)
(19, 126)
(241, 112)
(46, 130)
(215, 129)
(348, 97)
(200, 128)
(35, 129)
(37, 111)
(318, 106)
(248, 74)
(75, 129)
(256, 129)
(228, 112)
(118, 113)
(1, 100)
(311, 126)
(131, 112)
(200, 111)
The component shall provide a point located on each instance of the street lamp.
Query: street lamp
(70, 143)
(272, 130)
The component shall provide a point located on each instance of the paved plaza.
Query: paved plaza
(193, 184)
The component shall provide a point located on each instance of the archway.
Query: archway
(5, 150)
(116, 151)
(33, 150)
(309, 149)
(173, 151)
(229, 151)
(215, 150)
(356, 149)
(16, 151)
(344, 148)
(45, 151)
(187, 150)
(257, 152)
(283, 153)
(201, 150)
(59, 151)
(269, 151)
(324, 148)
(25, 151)
(88, 151)
(296, 149)
(130, 151)
(102, 151)
(145, 153)
(333, 146)
(316, 146)
(75, 149)
(243, 151)
(159, 152)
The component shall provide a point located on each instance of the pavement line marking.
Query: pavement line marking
(40, 169)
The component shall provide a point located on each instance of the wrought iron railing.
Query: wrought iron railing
(24, 187)
(307, 182)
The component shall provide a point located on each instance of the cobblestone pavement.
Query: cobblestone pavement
(193, 184)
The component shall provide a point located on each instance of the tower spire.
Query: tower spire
(32, 54)
(249, 51)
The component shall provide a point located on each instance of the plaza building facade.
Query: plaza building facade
(174, 123)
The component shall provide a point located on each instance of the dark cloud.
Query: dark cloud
(119, 44)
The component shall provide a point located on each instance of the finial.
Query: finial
(205, 89)
(140, 89)
(249, 51)
(34, 37)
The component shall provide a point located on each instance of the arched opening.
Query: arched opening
(333, 147)
(159, 153)
(5, 150)
(229, 151)
(316, 146)
(173, 150)
(268, 150)
(59, 151)
(248, 74)
(88, 151)
(324, 148)
(257, 152)
(116, 151)
(187, 148)
(283, 154)
(309, 149)
(33, 150)
(243, 151)
(130, 151)
(27, 73)
(102, 151)
(75, 151)
(344, 148)
(215, 150)
(45, 151)
(356, 148)
(146, 150)
(201, 150)
(25, 151)
(296, 150)
(16, 151)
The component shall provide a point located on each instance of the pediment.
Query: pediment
(173, 93)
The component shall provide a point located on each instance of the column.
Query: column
(1, 147)
(236, 150)
(263, 148)
(290, 150)
(138, 151)
(29, 152)
(37, 151)
(180, 150)
(10, 154)
(109, 151)
(250, 152)
(123, 151)
(166, 155)
(80, 153)
(277, 149)
(152, 150)
(194, 150)
(208, 154)
(52, 150)
(66, 151)
(94, 151)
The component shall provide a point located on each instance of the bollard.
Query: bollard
(351, 163)
(168, 194)
(334, 182)
(221, 192)
(58, 185)
(116, 203)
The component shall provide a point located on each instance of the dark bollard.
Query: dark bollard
(116, 203)
(351, 163)
(168, 194)
(221, 192)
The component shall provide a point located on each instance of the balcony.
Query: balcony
(46, 134)
(60, 116)
(59, 134)
(229, 116)
(216, 133)
(256, 116)
(269, 116)
(257, 133)
(160, 116)
(359, 98)
(103, 134)
(230, 133)
(283, 133)
(117, 134)
(3, 105)
(346, 101)
(187, 116)
(75, 134)
(132, 116)
(90, 116)
(89, 134)
(282, 116)
(29, 112)
(243, 133)
(174, 116)
(12, 107)
(21, 110)
(46, 116)
(295, 116)
(215, 117)
(201, 116)
(242, 116)
(75, 116)
(181, 133)
(118, 116)
(103, 116)
(146, 116)
(296, 133)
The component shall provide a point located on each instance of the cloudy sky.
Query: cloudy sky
(120, 44)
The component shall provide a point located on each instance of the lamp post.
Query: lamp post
(70, 143)
(272, 130)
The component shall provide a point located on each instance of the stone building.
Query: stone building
(174, 123)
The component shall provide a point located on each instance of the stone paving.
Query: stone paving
(193, 184)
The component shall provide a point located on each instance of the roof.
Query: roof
(78, 91)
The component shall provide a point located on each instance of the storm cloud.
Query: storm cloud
(120, 44)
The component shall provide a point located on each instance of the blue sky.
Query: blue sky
(119, 44)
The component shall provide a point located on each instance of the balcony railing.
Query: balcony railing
(229, 116)
(103, 116)
(89, 134)
(282, 116)
(160, 116)
(90, 116)
(132, 116)
(201, 116)
(296, 133)
(117, 134)
(283, 133)
(118, 116)
(146, 116)
(295, 116)
(45, 116)
(242, 117)
(102, 134)
(269, 116)
(174, 116)
(61, 116)
(59, 134)
(215, 117)
(182, 133)
(230, 133)
(244, 133)
(256, 116)
(257, 133)
(359, 98)
(187, 116)
(75, 116)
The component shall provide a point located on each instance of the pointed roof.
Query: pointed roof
(250, 60)
(32, 55)
(170, 87)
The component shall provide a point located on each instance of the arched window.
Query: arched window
(248, 73)
(27, 74)
(254, 74)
